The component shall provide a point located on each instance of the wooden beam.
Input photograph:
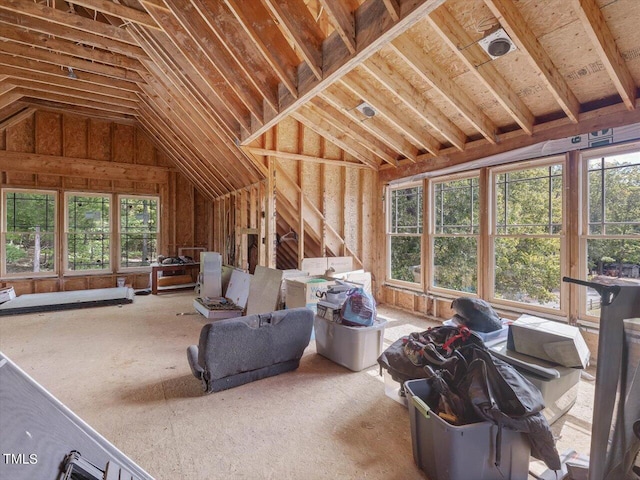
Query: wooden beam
(200, 63)
(75, 49)
(12, 63)
(513, 23)
(374, 29)
(435, 76)
(225, 27)
(375, 125)
(75, 100)
(123, 12)
(66, 20)
(42, 25)
(302, 158)
(130, 102)
(79, 167)
(256, 23)
(607, 117)
(600, 35)
(341, 15)
(295, 19)
(88, 112)
(413, 99)
(166, 57)
(478, 62)
(353, 129)
(370, 92)
(315, 122)
(17, 117)
(67, 61)
(9, 98)
(393, 7)
(18, 75)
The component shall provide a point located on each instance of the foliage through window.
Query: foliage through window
(528, 235)
(405, 233)
(613, 230)
(456, 206)
(138, 231)
(29, 234)
(88, 232)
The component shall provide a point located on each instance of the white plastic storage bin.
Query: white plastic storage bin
(393, 389)
(448, 452)
(353, 347)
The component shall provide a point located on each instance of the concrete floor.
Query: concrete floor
(124, 371)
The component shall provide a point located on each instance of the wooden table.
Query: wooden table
(170, 268)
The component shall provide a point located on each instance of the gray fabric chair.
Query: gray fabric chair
(236, 351)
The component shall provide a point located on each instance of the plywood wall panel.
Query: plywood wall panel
(21, 179)
(184, 216)
(145, 188)
(75, 136)
(145, 151)
(124, 186)
(75, 283)
(71, 183)
(48, 133)
(201, 226)
(333, 185)
(99, 147)
(123, 143)
(100, 184)
(46, 285)
(352, 199)
(21, 136)
(49, 181)
(311, 183)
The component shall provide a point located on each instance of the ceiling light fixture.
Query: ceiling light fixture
(497, 43)
(366, 109)
(71, 73)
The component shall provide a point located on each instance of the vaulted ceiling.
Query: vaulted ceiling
(209, 79)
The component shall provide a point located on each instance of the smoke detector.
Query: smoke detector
(497, 44)
(366, 109)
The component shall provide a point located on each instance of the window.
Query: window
(88, 232)
(139, 228)
(455, 214)
(611, 239)
(528, 235)
(405, 234)
(29, 232)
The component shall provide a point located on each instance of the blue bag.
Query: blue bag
(359, 309)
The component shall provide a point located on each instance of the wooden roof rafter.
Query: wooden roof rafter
(376, 125)
(375, 27)
(371, 94)
(434, 75)
(313, 121)
(202, 65)
(476, 60)
(297, 23)
(600, 34)
(511, 20)
(414, 100)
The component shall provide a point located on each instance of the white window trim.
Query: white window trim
(584, 236)
(119, 197)
(3, 234)
(65, 253)
(388, 235)
(431, 235)
(564, 289)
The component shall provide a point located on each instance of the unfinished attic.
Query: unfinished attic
(484, 150)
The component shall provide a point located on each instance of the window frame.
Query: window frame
(389, 235)
(432, 235)
(583, 230)
(493, 234)
(119, 233)
(67, 271)
(4, 232)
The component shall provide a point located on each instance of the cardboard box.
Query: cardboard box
(548, 340)
(7, 294)
(357, 277)
(303, 291)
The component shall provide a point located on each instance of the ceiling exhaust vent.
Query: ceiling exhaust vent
(366, 109)
(497, 44)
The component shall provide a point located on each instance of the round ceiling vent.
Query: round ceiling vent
(497, 43)
(499, 47)
(366, 109)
